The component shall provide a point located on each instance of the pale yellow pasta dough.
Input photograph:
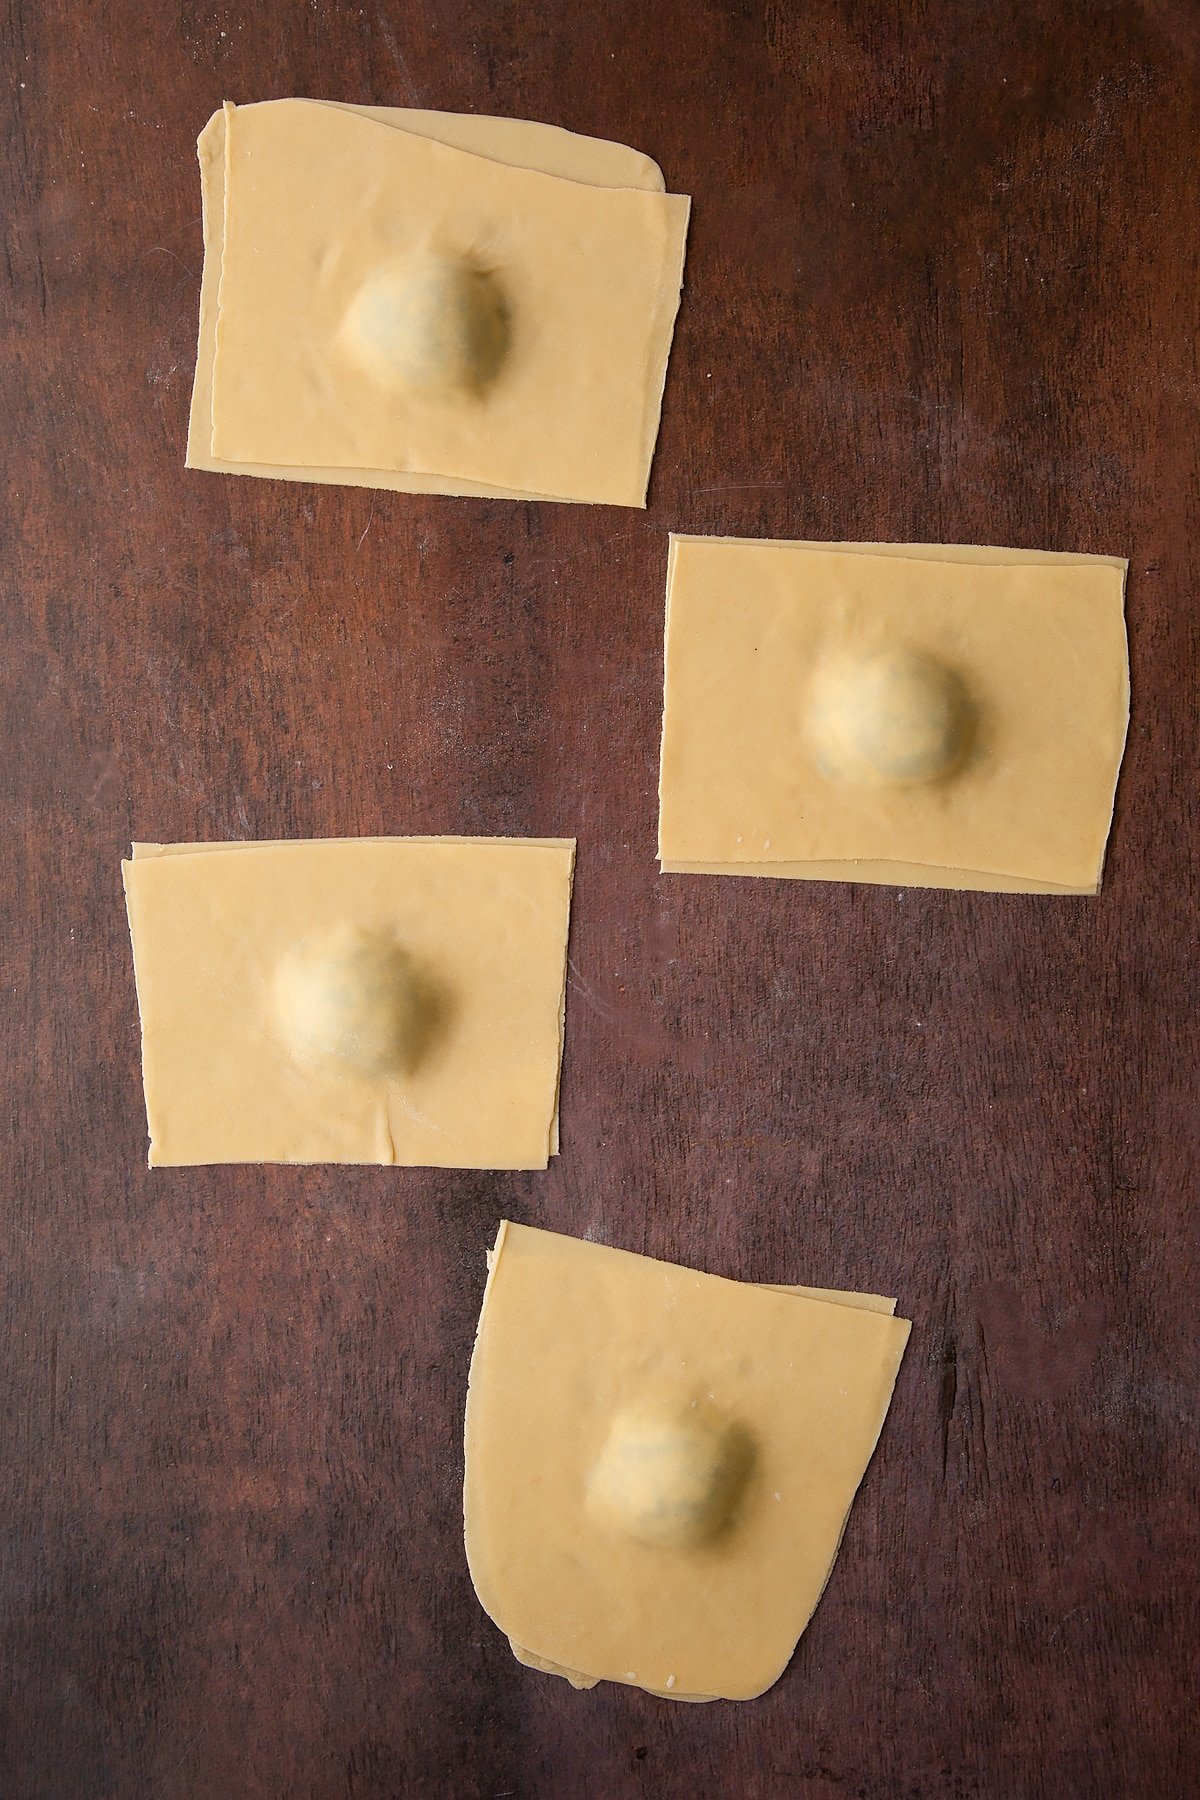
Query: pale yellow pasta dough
(388, 301)
(389, 1000)
(660, 1463)
(925, 715)
(521, 142)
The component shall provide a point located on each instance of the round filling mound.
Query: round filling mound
(430, 325)
(892, 717)
(347, 999)
(669, 1475)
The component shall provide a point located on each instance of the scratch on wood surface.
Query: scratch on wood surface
(570, 1713)
(591, 550)
(949, 1397)
(257, 1638)
(735, 487)
(589, 995)
(411, 90)
(163, 250)
(1063, 1620)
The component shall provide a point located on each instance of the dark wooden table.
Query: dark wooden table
(942, 284)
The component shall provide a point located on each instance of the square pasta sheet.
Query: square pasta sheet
(925, 715)
(432, 302)
(375, 1000)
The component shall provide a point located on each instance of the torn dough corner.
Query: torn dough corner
(432, 303)
(913, 714)
(352, 1000)
(659, 1463)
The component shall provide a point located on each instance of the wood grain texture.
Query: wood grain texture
(942, 284)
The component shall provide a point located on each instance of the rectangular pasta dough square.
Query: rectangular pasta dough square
(1035, 641)
(232, 943)
(524, 143)
(321, 202)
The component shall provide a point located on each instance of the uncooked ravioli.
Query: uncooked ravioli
(390, 1000)
(402, 307)
(660, 1463)
(936, 715)
(519, 142)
